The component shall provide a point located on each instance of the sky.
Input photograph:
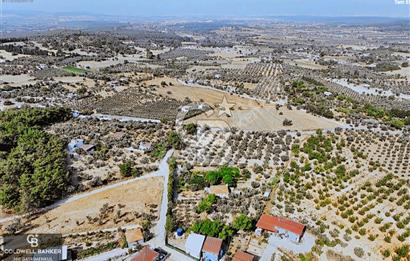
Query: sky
(211, 8)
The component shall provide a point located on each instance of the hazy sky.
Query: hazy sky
(214, 8)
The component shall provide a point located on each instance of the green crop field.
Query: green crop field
(74, 70)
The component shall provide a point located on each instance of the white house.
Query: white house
(193, 245)
(266, 195)
(145, 146)
(75, 144)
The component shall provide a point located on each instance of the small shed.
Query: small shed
(266, 195)
(75, 144)
(193, 245)
(145, 146)
(212, 249)
(88, 148)
(222, 191)
(134, 237)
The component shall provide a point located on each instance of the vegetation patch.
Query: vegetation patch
(74, 70)
(206, 204)
(33, 167)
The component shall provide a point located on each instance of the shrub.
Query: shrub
(358, 251)
(206, 204)
(33, 167)
(243, 222)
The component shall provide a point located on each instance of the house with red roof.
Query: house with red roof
(243, 256)
(281, 226)
(212, 249)
(146, 254)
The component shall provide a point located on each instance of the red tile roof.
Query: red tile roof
(146, 254)
(269, 223)
(242, 256)
(212, 245)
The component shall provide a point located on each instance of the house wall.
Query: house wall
(290, 235)
(210, 257)
(135, 244)
(193, 254)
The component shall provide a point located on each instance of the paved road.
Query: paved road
(268, 253)
(112, 254)
(159, 229)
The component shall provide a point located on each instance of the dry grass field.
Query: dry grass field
(135, 197)
(308, 64)
(268, 119)
(213, 97)
(247, 114)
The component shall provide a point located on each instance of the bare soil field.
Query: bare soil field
(247, 114)
(308, 64)
(16, 80)
(403, 72)
(134, 197)
(266, 119)
(9, 56)
(213, 97)
(239, 63)
(69, 79)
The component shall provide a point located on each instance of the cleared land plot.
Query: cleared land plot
(267, 119)
(72, 217)
(16, 80)
(405, 71)
(10, 56)
(213, 97)
(247, 114)
(308, 64)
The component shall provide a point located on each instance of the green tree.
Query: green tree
(243, 222)
(191, 128)
(174, 140)
(206, 204)
(33, 169)
(126, 169)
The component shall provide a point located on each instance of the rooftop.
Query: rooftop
(242, 256)
(219, 189)
(134, 235)
(145, 254)
(193, 244)
(212, 245)
(270, 223)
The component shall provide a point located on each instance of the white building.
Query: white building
(145, 146)
(75, 144)
(193, 245)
